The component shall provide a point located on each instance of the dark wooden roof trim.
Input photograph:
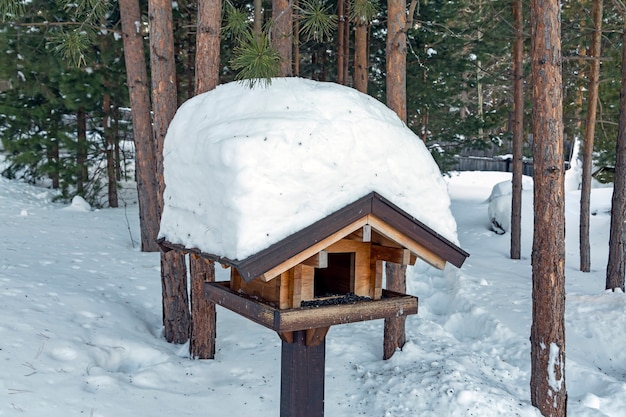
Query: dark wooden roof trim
(373, 203)
(416, 230)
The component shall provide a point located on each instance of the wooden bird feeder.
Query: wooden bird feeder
(328, 273)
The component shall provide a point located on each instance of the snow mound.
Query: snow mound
(245, 168)
(499, 209)
(78, 204)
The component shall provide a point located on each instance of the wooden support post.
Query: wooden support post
(302, 374)
(176, 317)
(395, 335)
(202, 344)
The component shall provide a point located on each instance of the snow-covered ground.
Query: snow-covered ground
(81, 330)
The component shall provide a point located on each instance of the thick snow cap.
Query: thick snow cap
(245, 168)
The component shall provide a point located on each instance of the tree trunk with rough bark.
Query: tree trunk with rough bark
(81, 151)
(547, 336)
(590, 129)
(110, 139)
(396, 57)
(208, 45)
(145, 160)
(616, 266)
(282, 35)
(203, 316)
(518, 130)
(395, 335)
(176, 316)
(164, 104)
(360, 57)
(202, 344)
(341, 39)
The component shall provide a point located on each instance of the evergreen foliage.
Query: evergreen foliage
(458, 72)
(46, 90)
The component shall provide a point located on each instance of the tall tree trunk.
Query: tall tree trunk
(346, 43)
(396, 57)
(52, 153)
(547, 335)
(138, 87)
(109, 140)
(81, 150)
(341, 26)
(282, 34)
(396, 101)
(518, 129)
(202, 343)
(208, 45)
(616, 266)
(360, 57)
(163, 71)
(257, 25)
(590, 130)
(296, 42)
(203, 316)
(162, 64)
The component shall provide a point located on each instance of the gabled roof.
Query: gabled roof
(373, 209)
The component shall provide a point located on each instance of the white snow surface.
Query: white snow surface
(245, 168)
(81, 331)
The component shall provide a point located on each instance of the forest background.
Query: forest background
(64, 101)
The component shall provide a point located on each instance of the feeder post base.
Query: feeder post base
(302, 373)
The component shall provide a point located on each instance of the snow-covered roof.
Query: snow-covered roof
(245, 168)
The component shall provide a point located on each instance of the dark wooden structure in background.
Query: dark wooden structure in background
(328, 273)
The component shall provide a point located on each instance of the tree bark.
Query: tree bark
(202, 344)
(396, 57)
(518, 130)
(81, 150)
(163, 71)
(208, 45)
(145, 160)
(616, 266)
(257, 25)
(590, 129)
(396, 100)
(282, 35)
(547, 336)
(176, 316)
(394, 328)
(360, 57)
(203, 316)
(162, 64)
(341, 27)
(109, 140)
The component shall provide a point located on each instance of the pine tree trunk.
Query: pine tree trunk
(257, 25)
(138, 87)
(547, 336)
(208, 45)
(394, 328)
(109, 140)
(360, 58)
(590, 129)
(81, 150)
(616, 266)
(52, 153)
(176, 316)
(518, 130)
(341, 27)
(203, 316)
(396, 57)
(164, 101)
(202, 344)
(396, 101)
(163, 71)
(282, 38)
